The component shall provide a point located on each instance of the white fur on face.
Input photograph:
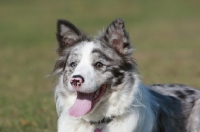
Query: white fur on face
(85, 68)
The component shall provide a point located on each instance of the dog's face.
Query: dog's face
(91, 68)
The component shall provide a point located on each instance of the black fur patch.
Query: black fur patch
(118, 75)
(157, 85)
(180, 94)
(190, 91)
(171, 85)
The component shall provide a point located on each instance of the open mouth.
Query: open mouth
(86, 101)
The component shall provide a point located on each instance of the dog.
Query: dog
(99, 88)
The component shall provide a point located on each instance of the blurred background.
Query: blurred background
(165, 34)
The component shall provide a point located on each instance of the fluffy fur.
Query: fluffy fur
(126, 105)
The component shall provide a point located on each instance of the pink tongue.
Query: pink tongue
(82, 105)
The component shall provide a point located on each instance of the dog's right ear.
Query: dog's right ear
(67, 34)
(116, 36)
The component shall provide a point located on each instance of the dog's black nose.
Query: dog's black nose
(76, 81)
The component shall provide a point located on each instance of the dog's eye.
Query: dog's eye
(98, 65)
(73, 64)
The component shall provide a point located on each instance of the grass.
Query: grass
(165, 35)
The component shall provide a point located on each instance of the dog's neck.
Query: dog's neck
(105, 120)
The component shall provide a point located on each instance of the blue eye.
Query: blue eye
(73, 64)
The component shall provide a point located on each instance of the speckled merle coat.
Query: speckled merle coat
(178, 108)
(100, 76)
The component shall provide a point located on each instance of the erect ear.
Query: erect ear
(67, 34)
(116, 36)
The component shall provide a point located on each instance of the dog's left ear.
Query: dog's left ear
(116, 36)
(68, 35)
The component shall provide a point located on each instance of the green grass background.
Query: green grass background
(165, 34)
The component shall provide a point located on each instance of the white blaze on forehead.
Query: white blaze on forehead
(86, 51)
(85, 65)
(85, 68)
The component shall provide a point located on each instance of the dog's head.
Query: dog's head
(93, 69)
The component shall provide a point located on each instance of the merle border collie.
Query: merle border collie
(99, 89)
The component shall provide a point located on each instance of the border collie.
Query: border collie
(99, 89)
